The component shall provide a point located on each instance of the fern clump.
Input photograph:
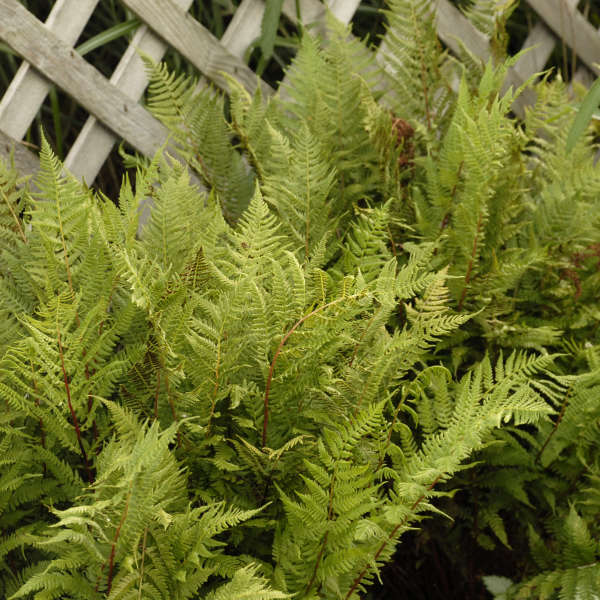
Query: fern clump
(260, 385)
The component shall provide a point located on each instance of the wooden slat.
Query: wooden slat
(343, 9)
(95, 141)
(311, 11)
(244, 27)
(26, 162)
(584, 77)
(453, 28)
(115, 112)
(61, 64)
(195, 43)
(540, 43)
(27, 90)
(572, 27)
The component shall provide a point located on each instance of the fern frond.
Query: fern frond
(299, 192)
(246, 583)
(413, 59)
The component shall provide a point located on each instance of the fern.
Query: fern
(413, 61)
(379, 309)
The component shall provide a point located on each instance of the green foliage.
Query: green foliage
(362, 319)
(585, 113)
(270, 22)
(414, 63)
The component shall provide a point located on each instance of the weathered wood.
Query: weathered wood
(584, 77)
(195, 42)
(343, 9)
(113, 105)
(26, 162)
(95, 141)
(27, 90)
(571, 27)
(61, 64)
(311, 11)
(539, 44)
(244, 27)
(453, 28)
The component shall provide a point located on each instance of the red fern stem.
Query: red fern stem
(285, 338)
(111, 560)
(72, 410)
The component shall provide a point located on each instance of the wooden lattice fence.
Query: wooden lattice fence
(115, 112)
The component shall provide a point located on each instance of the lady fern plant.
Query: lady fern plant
(261, 389)
(514, 212)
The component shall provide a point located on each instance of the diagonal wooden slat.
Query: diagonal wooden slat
(453, 28)
(26, 162)
(572, 27)
(244, 27)
(95, 141)
(27, 90)
(311, 11)
(113, 105)
(195, 43)
(343, 9)
(61, 64)
(539, 44)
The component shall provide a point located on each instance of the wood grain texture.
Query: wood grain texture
(571, 26)
(311, 11)
(62, 65)
(453, 28)
(95, 141)
(540, 43)
(114, 108)
(244, 27)
(195, 43)
(26, 162)
(343, 9)
(27, 90)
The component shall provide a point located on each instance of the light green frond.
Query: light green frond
(246, 584)
(323, 80)
(299, 192)
(413, 59)
(365, 246)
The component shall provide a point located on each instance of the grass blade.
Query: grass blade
(270, 23)
(107, 36)
(584, 115)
